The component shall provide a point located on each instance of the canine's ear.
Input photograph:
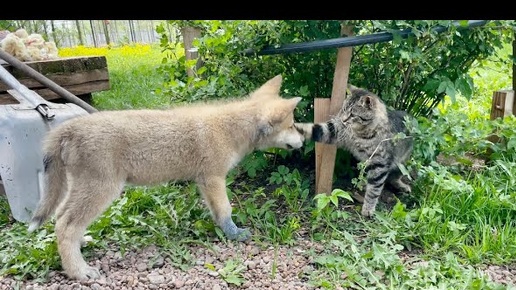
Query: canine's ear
(270, 88)
(292, 103)
(285, 110)
(279, 112)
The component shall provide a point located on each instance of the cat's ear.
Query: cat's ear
(351, 88)
(368, 101)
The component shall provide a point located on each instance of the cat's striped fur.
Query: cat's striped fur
(367, 129)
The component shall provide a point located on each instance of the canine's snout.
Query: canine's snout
(295, 144)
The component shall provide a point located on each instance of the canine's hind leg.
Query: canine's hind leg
(213, 189)
(87, 199)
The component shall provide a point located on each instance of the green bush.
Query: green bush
(414, 74)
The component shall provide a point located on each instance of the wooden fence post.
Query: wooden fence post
(189, 34)
(321, 113)
(502, 105)
(324, 170)
(514, 70)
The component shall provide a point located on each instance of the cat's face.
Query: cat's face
(362, 109)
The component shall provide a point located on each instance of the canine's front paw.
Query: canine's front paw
(233, 232)
(240, 235)
(85, 273)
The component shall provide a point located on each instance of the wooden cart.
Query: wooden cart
(81, 76)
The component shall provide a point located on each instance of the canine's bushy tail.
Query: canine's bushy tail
(55, 182)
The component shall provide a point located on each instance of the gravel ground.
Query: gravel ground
(285, 267)
(293, 265)
(146, 269)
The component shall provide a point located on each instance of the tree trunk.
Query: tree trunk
(131, 31)
(105, 24)
(151, 32)
(93, 34)
(53, 27)
(79, 32)
(45, 30)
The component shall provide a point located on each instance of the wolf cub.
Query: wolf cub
(89, 159)
(367, 129)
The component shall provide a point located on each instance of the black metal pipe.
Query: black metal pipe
(350, 41)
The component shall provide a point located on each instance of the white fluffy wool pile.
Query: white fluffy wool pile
(27, 47)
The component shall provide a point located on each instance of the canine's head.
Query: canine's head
(276, 117)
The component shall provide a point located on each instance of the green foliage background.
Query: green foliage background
(412, 74)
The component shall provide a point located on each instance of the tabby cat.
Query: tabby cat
(367, 129)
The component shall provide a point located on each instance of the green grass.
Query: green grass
(458, 218)
(133, 76)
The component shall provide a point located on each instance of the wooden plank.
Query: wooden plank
(79, 75)
(324, 178)
(78, 90)
(61, 65)
(340, 77)
(64, 80)
(321, 114)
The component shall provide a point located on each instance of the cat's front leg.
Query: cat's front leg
(305, 129)
(319, 132)
(377, 173)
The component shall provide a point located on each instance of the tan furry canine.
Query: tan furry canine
(89, 159)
